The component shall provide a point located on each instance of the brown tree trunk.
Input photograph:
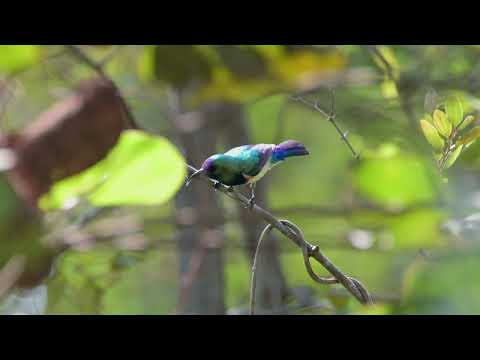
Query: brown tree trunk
(199, 221)
(271, 289)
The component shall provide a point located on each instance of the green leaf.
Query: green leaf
(17, 57)
(389, 89)
(443, 126)
(145, 65)
(471, 136)
(398, 180)
(428, 117)
(453, 156)
(467, 121)
(140, 170)
(431, 134)
(454, 110)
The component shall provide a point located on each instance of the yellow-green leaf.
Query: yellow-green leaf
(453, 156)
(389, 89)
(431, 134)
(141, 169)
(472, 135)
(17, 57)
(429, 118)
(145, 65)
(454, 110)
(440, 121)
(467, 121)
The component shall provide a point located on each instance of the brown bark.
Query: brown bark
(199, 221)
(271, 283)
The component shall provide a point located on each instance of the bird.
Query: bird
(247, 164)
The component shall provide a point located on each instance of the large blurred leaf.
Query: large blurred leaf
(17, 57)
(304, 69)
(244, 62)
(140, 170)
(177, 65)
(238, 73)
(394, 179)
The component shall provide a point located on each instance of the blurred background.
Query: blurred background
(95, 218)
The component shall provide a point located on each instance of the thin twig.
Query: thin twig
(330, 117)
(388, 67)
(351, 286)
(254, 269)
(83, 57)
(404, 101)
(98, 68)
(307, 251)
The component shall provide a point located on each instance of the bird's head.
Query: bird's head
(207, 168)
(208, 165)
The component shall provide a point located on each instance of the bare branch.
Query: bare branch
(330, 117)
(352, 285)
(83, 57)
(308, 251)
(404, 101)
(388, 67)
(98, 68)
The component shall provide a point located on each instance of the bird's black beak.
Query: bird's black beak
(190, 178)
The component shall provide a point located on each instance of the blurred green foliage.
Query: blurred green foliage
(18, 57)
(394, 194)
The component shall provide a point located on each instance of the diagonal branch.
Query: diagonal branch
(404, 101)
(352, 285)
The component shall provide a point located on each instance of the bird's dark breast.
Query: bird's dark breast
(227, 177)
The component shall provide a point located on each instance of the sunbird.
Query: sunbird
(245, 165)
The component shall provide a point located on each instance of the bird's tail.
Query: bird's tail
(289, 148)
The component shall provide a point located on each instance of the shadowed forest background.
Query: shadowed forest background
(95, 217)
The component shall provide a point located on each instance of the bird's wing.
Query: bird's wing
(250, 159)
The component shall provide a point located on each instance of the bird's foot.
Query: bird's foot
(230, 189)
(216, 185)
(251, 203)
